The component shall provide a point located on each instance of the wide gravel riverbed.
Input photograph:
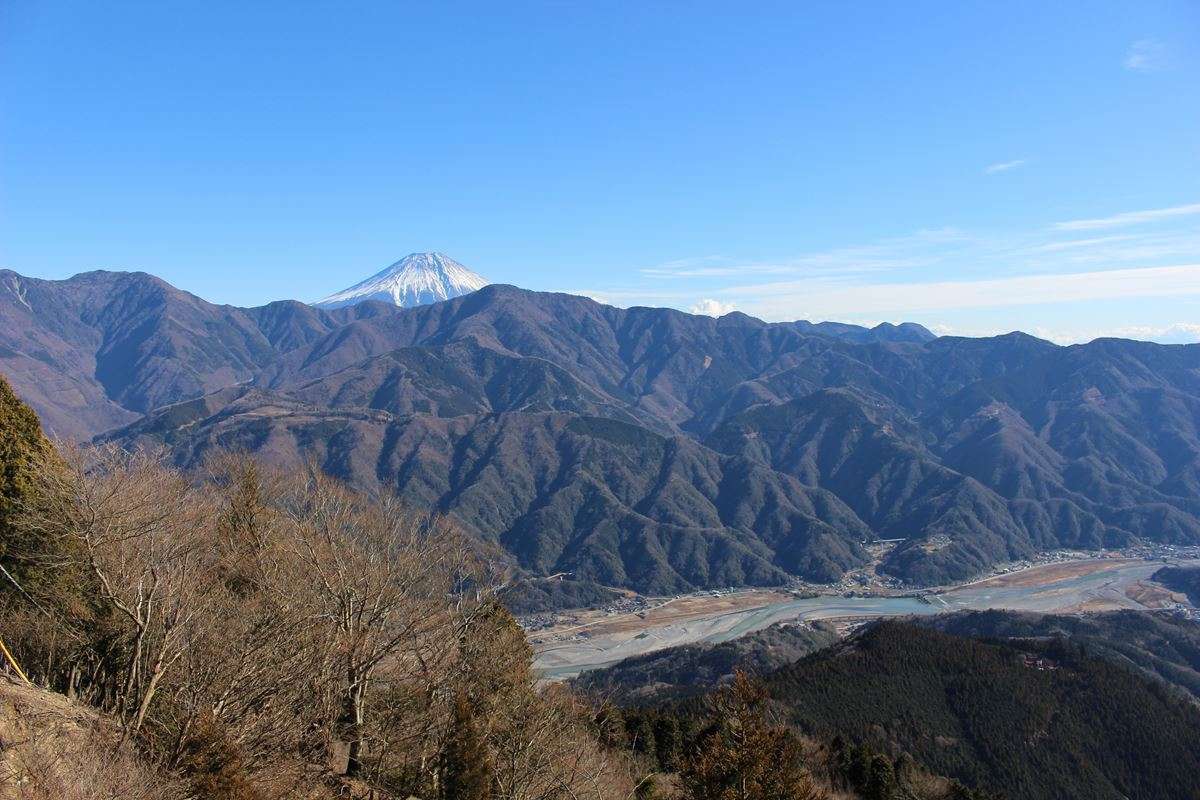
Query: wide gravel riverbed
(1092, 585)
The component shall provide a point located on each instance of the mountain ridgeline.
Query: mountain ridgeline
(643, 448)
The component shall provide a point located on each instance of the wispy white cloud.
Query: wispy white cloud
(624, 297)
(1076, 244)
(692, 263)
(919, 249)
(780, 300)
(1004, 166)
(731, 269)
(1147, 55)
(1067, 281)
(711, 308)
(1173, 333)
(1143, 250)
(1128, 218)
(942, 251)
(820, 299)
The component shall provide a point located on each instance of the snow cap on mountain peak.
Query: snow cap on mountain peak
(415, 280)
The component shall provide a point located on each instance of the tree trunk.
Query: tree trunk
(151, 687)
(355, 718)
(131, 678)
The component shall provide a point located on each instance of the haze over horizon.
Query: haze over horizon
(976, 170)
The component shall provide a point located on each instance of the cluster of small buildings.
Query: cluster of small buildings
(631, 604)
(1034, 661)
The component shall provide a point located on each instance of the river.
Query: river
(1092, 584)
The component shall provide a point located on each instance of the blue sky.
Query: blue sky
(976, 167)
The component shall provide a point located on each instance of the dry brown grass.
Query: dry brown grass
(1151, 595)
(1050, 573)
(681, 609)
(54, 749)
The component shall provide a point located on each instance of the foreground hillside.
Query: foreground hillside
(256, 635)
(55, 749)
(244, 634)
(642, 448)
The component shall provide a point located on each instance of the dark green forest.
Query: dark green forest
(1181, 579)
(1035, 719)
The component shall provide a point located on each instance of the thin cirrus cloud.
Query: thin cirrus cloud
(1065, 281)
(919, 249)
(1004, 166)
(776, 301)
(1076, 244)
(1128, 218)
(1171, 333)
(1147, 55)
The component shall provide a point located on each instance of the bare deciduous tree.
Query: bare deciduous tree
(382, 578)
(250, 623)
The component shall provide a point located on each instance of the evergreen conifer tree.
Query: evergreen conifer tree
(466, 767)
(24, 453)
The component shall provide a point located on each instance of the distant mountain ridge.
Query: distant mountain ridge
(642, 447)
(415, 280)
(883, 332)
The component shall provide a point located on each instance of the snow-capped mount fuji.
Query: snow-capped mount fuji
(415, 280)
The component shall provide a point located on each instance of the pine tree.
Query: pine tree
(640, 734)
(741, 756)
(466, 766)
(25, 453)
(22, 446)
(668, 742)
(497, 662)
(610, 726)
(241, 523)
(881, 779)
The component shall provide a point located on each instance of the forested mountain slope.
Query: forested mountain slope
(1162, 646)
(1159, 645)
(734, 450)
(1185, 580)
(302, 640)
(1029, 720)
